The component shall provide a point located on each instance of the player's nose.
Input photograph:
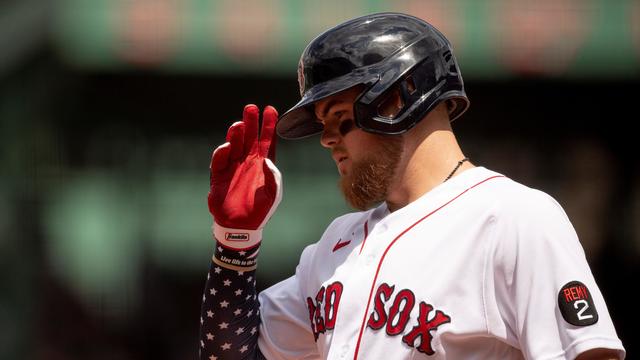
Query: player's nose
(330, 135)
(332, 117)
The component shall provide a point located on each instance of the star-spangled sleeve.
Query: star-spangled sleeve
(230, 313)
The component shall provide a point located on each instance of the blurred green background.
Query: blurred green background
(109, 111)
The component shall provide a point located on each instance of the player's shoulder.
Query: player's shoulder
(525, 219)
(511, 193)
(515, 200)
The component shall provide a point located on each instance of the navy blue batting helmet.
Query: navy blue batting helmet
(384, 53)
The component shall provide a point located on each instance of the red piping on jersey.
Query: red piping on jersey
(366, 233)
(364, 319)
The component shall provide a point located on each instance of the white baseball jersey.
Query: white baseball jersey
(480, 267)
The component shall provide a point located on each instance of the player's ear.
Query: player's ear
(451, 106)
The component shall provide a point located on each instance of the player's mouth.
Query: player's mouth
(340, 160)
(342, 165)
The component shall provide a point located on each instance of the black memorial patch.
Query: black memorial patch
(576, 304)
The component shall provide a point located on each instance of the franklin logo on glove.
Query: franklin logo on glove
(236, 236)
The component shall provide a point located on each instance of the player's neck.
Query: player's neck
(430, 154)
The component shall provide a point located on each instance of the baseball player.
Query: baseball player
(444, 260)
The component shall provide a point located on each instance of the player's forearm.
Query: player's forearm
(230, 315)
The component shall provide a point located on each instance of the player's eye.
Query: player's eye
(346, 126)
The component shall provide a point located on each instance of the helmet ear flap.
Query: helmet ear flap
(397, 98)
(392, 103)
(418, 88)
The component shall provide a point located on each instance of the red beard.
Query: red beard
(367, 182)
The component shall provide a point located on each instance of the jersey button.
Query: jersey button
(344, 351)
(370, 259)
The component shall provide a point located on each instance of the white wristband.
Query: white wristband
(236, 238)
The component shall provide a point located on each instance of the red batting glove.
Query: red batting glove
(246, 187)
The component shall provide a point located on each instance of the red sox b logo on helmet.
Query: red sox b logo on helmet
(301, 77)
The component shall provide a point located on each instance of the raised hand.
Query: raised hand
(246, 186)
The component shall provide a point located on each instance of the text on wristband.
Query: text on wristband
(236, 236)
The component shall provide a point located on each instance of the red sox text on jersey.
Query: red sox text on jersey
(323, 310)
